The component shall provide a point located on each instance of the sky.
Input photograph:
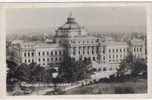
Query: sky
(94, 19)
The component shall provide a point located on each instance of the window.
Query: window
(29, 60)
(127, 49)
(43, 59)
(55, 52)
(113, 50)
(52, 53)
(39, 59)
(60, 53)
(140, 49)
(120, 50)
(47, 53)
(103, 51)
(43, 53)
(51, 59)
(47, 59)
(103, 57)
(124, 50)
(134, 49)
(92, 52)
(94, 58)
(137, 49)
(88, 52)
(32, 60)
(25, 60)
(109, 56)
(83, 52)
(116, 50)
(74, 51)
(104, 69)
(56, 58)
(109, 50)
(24, 54)
(96, 50)
(39, 54)
(28, 54)
(60, 59)
(32, 54)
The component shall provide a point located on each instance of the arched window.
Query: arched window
(43, 53)
(134, 49)
(109, 50)
(113, 50)
(32, 54)
(55, 52)
(47, 53)
(25, 54)
(56, 58)
(116, 50)
(60, 53)
(52, 53)
(28, 54)
(120, 50)
(104, 69)
(60, 58)
(140, 49)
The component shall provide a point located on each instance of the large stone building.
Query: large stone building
(72, 39)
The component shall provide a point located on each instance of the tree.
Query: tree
(22, 73)
(139, 67)
(122, 68)
(72, 70)
(132, 64)
(125, 64)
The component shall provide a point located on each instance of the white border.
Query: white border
(3, 8)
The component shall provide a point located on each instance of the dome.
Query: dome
(70, 24)
(70, 28)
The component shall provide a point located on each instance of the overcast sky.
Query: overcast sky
(101, 19)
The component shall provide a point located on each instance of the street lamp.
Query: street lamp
(54, 76)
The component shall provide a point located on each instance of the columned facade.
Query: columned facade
(72, 38)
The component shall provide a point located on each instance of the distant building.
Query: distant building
(73, 40)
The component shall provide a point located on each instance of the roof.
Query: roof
(70, 28)
(115, 43)
(137, 41)
(46, 45)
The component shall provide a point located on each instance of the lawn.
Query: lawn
(139, 86)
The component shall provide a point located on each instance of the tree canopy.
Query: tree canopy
(72, 70)
(135, 65)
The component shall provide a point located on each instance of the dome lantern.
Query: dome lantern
(70, 28)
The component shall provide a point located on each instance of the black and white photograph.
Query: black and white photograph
(76, 50)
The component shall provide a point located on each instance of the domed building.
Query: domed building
(71, 39)
(70, 29)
